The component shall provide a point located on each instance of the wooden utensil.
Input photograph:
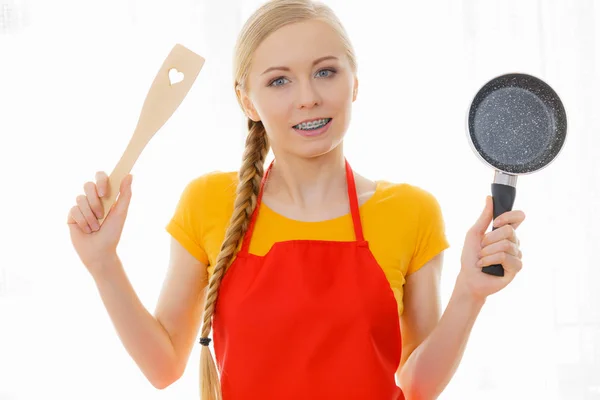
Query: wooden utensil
(171, 84)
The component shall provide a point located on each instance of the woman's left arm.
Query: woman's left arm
(432, 346)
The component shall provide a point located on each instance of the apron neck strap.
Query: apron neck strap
(352, 197)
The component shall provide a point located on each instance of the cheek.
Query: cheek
(340, 95)
(275, 111)
(341, 101)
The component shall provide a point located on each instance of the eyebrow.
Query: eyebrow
(318, 60)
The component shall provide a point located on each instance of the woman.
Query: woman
(305, 271)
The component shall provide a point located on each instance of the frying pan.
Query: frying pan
(516, 125)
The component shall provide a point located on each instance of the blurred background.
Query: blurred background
(74, 75)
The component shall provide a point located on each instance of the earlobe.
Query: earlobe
(252, 114)
(354, 93)
(249, 108)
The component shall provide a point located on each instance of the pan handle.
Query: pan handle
(504, 199)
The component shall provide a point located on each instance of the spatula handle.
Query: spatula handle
(123, 167)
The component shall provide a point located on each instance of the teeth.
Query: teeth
(313, 124)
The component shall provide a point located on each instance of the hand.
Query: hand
(93, 243)
(500, 246)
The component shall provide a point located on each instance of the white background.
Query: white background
(73, 77)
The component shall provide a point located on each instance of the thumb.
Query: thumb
(122, 204)
(484, 220)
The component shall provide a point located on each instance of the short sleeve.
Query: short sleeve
(431, 234)
(185, 225)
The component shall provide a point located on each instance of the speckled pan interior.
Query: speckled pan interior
(517, 123)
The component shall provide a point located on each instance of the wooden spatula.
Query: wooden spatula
(171, 84)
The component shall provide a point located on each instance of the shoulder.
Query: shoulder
(405, 194)
(215, 188)
(405, 203)
(213, 183)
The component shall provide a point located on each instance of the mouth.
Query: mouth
(312, 125)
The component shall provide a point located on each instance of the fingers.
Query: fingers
(89, 208)
(86, 210)
(508, 261)
(503, 246)
(102, 183)
(504, 232)
(514, 218)
(91, 192)
(76, 218)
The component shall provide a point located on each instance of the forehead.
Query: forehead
(297, 44)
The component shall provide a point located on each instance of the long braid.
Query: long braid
(250, 176)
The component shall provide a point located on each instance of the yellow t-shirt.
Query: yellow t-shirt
(402, 223)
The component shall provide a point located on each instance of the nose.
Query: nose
(308, 95)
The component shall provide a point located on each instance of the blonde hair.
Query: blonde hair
(264, 21)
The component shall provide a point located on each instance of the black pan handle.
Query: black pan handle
(504, 199)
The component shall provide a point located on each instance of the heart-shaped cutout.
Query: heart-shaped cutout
(175, 76)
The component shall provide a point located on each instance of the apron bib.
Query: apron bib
(311, 319)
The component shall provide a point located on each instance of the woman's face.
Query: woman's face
(301, 73)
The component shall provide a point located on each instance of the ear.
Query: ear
(355, 92)
(249, 109)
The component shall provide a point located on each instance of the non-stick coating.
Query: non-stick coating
(517, 123)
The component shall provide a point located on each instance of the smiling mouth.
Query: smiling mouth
(312, 125)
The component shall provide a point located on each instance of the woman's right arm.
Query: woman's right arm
(161, 344)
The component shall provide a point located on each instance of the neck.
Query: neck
(309, 182)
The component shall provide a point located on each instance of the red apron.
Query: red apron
(311, 319)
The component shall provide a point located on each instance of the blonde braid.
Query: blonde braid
(250, 176)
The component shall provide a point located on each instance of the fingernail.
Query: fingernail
(479, 263)
(100, 192)
(95, 226)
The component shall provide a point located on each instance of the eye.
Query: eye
(277, 81)
(330, 73)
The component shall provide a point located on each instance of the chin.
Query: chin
(316, 148)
